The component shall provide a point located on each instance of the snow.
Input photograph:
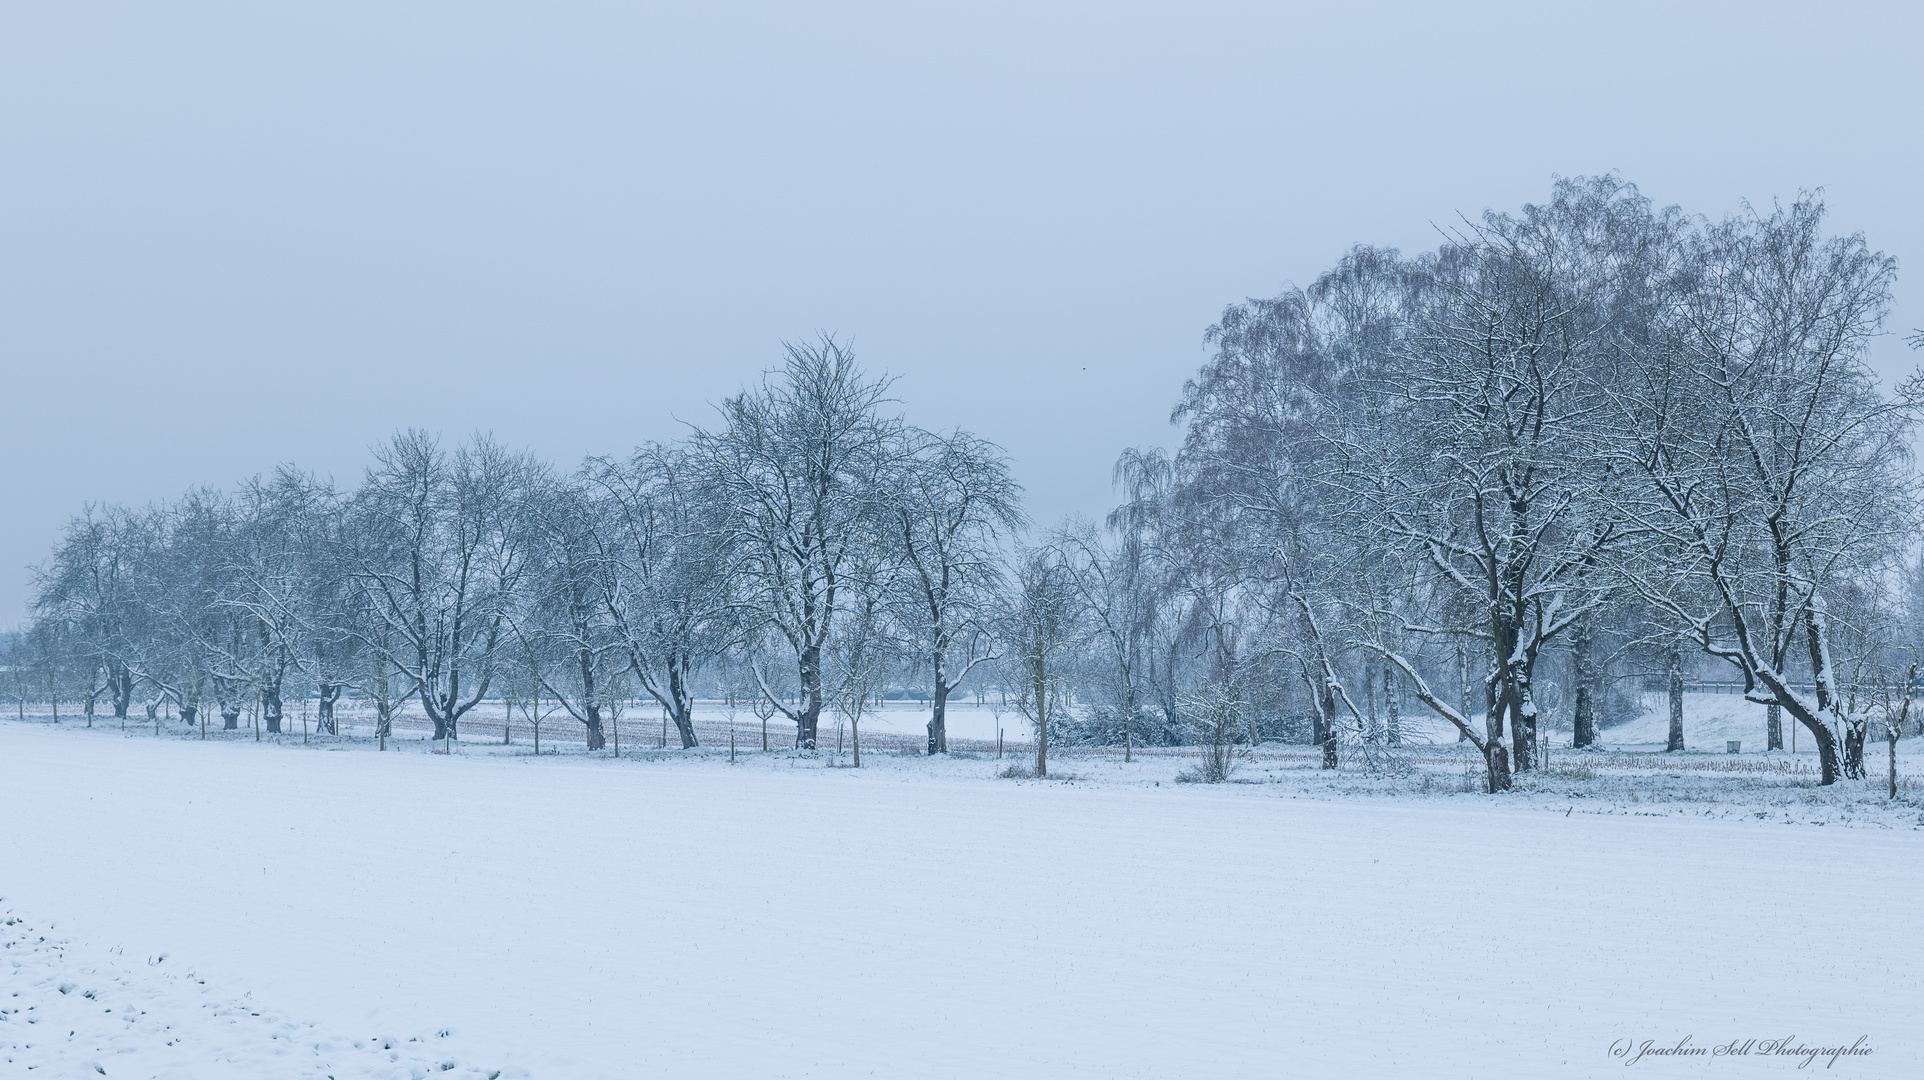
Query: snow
(673, 915)
(72, 1010)
(1709, 720)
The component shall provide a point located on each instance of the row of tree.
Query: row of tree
(1591, 419)
(1572, 445)
(807, 524)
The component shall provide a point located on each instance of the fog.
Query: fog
(236, 236)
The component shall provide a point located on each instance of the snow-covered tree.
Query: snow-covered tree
(662, 580)
(1773, 471)
(440, 545)
(950, 503)
(799, 465)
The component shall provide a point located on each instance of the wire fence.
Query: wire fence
(629, 726)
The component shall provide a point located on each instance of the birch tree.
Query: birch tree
(1774, 472)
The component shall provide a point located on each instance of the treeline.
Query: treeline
(804, 547)
(1588, 441)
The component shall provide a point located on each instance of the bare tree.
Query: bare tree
(798, 464)
(862, 653)
(1773, 469)
(1498, 484)
(572, 645)
(440, 546)
(187, 634)
(89, 591)
(1040, 631)
(951, 502)
(283, 585)
(1894, 704)
(663, 584)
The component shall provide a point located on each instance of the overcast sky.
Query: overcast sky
(232, 236)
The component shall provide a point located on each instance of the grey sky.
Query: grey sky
(236, 235)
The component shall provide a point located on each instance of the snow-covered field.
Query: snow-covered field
(413, 914)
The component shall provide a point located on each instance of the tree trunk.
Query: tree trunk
(1891, 734)
(939, 698)
(1463, 688)
(329, 694)
(229, 716)
(1497, 761)
(1854, 750)
(684, 711)
(809, 713)
(939, 717)
(1773, 727)
(271, 707)
(1827, 763)
(1392, 708)
(1585, 722)
(1041, 725)
(441, 712)
(1816, 635)
(596, 739)
(1529, 724)
(121, 682)
(1495, 703)
(1676, 699)
(1375, 734)
(1523, 725)
(1327, 713)
(1511, 674)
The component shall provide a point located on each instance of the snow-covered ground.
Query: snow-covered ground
(670, 914)
(75, 1009)
(1709, 720)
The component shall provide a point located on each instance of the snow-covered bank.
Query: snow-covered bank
(1709, 721)
(580, 917)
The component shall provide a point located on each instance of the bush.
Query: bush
(1218, 719)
